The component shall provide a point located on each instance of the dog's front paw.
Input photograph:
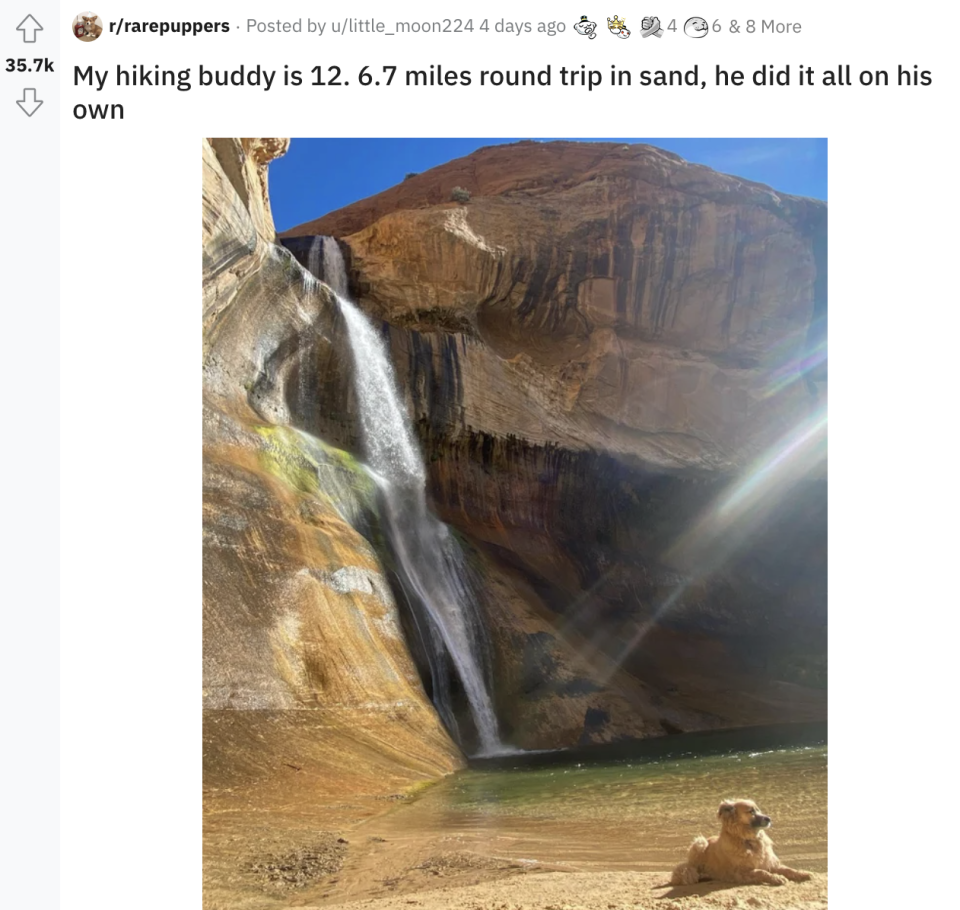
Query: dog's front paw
(794, 875)
(776, 879)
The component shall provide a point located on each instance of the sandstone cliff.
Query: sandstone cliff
(305, 663)
(615, 359)
(599, 296)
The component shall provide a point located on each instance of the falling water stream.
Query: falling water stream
(430, 561)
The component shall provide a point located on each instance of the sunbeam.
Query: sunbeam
(738, 514)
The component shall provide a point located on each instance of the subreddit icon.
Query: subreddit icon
(87, 26)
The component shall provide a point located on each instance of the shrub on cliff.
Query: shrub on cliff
(459, 194)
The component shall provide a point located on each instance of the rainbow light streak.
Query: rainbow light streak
(738, 513)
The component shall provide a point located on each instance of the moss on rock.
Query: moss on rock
(316, 469)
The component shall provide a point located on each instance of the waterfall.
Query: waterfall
(430, 561)
(325, 261)
(334, 271)
(314, 257)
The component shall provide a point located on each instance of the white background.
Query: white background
(129, 397)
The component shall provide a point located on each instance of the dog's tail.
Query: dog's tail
(697, 849)
(688, 873)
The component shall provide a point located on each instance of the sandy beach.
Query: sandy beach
(602, 891)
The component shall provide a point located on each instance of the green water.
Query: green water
(624, 811)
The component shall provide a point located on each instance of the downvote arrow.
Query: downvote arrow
(29, 27)
(29, 104)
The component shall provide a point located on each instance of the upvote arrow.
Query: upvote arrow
(29, 104)
(29, 27)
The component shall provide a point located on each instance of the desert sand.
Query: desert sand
(602, 891)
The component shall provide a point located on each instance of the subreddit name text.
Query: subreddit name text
(186, 29)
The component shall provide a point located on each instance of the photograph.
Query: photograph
(87, 26)
(514, 522)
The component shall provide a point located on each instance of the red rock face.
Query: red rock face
(597, 234)
(602, 289)
(616, 362)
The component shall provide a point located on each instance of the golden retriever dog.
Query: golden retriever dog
(740, 853)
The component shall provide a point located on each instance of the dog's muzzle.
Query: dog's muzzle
(760, 821)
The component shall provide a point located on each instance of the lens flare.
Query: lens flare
(738, 514)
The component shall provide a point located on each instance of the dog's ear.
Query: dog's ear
(726, 809)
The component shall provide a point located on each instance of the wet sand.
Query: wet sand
(602, 835)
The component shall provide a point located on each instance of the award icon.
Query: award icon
(650, 25)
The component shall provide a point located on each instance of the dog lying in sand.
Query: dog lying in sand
(741, 853)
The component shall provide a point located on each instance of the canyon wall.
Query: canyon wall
(616, 362)
(305, 666)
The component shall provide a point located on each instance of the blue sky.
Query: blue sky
(319, 175)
